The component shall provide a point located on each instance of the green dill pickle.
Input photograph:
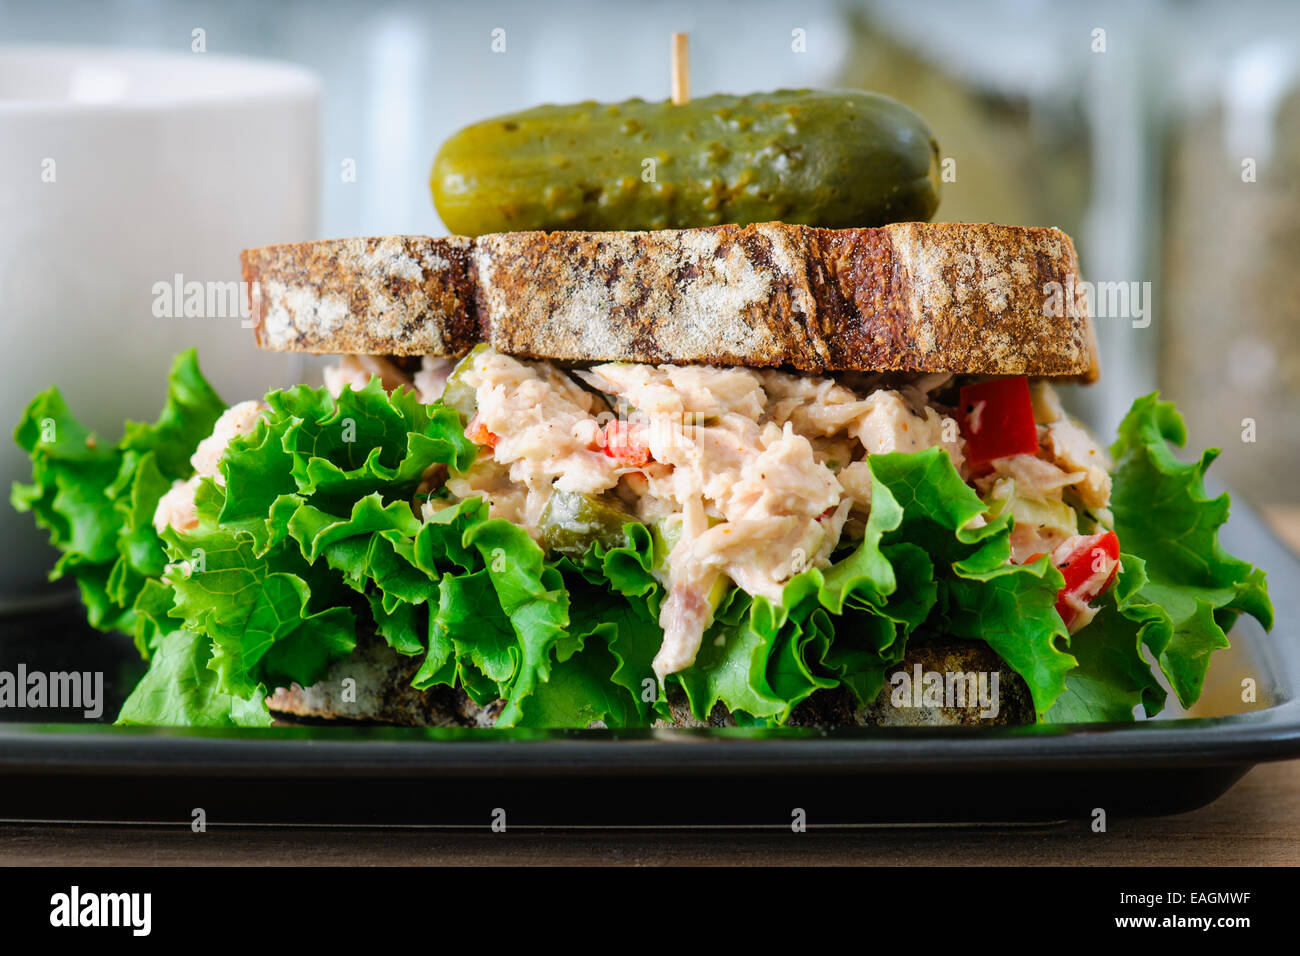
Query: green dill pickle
(570, 522)
(456, 392)
(835, 159)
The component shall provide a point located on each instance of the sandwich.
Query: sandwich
(768, 474)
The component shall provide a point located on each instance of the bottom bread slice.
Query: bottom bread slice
(380, 691)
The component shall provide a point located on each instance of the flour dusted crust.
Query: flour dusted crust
(967, 298)
(697, 295)
(390, 295)
(941, 297)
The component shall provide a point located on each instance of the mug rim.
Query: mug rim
(259, 80)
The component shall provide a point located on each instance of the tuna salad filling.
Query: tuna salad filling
(746, 477)
(622, 545)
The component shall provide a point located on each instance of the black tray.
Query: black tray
(372, 775)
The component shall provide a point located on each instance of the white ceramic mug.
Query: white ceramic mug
(121, 171)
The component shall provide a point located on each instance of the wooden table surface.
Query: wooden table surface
(1257, 823)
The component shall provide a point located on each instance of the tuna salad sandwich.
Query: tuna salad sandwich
(692, 426)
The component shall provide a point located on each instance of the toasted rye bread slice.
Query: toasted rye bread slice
(966, 298)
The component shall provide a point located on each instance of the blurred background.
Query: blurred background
(1162, 136)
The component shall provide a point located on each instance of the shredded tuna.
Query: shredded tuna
(758, 473)
(1067, 444)
(239, 419)
(176, 507)
(432, 377)
(355, 372)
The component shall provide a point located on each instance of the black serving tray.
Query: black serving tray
(727, 777)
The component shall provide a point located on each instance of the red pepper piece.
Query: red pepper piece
(997, 420)
(622, 442)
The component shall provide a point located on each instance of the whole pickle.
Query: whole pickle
(821, 158)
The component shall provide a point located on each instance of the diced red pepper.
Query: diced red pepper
(1089, 565)
(997, 420)
(624, 443)
(479, 434)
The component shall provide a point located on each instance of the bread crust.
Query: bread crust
(382, 693)
(966, 298)
(389, 295)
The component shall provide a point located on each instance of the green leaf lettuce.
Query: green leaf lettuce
(320, 533)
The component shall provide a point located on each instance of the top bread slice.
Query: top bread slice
(964, 298)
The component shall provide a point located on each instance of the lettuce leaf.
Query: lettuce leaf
(97, 501)
(626, 572)
(311, 530)
(613, 599)
(1193, 590)
(1113, 678)
(581, 689)
(255, 608)
(500, 607)
(979, 594)
(180, 689)
(366, 440)
(731, 666)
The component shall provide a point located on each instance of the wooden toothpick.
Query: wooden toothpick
(681, 68)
